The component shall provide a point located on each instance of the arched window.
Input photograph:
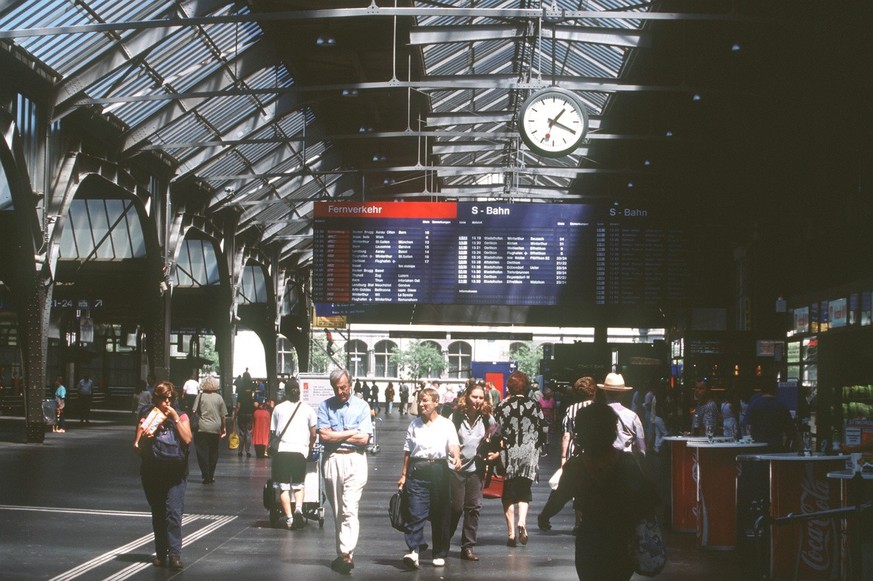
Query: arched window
(517, 346)
(356, 358)
(385, 366)
(460, 360)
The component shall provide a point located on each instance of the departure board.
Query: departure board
(494, 254)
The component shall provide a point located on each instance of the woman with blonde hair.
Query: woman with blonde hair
(211, 410)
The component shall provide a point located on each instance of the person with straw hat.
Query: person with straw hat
(631, 438)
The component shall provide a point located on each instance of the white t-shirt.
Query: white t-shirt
(296, 437)
(191, 387)
(432, 440)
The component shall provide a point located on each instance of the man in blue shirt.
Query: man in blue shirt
(344, 428)
(770, 420)
(86, 392)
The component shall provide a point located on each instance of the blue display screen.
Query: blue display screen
(494, 254)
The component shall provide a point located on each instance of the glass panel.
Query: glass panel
(210, 264)
(197, 267)
(82, 239)
(119, 237)
(183, 267)
(100, 228)
(5, 192)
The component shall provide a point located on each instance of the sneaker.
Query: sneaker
(299, 521)
(439, 562)
(289, 522)
(410, 559)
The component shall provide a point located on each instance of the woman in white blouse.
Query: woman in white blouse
(430, 450)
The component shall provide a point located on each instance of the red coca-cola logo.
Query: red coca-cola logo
(817, 545)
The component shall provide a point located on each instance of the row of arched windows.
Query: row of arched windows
(458, 353)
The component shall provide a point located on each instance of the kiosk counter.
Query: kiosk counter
(717, 490)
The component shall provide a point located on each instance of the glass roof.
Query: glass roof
(217, 95)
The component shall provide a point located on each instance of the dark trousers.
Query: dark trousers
(429, 496)
(207, 453)
(466, 502)
(85, 407)
(166, 495)
(244, 429)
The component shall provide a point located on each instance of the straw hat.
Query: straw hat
(614, 382)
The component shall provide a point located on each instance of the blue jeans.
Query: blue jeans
(165, 491)
(429, 496)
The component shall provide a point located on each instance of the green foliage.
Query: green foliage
(210, 353)
(319, 361)
(418, 360)
(528, 358)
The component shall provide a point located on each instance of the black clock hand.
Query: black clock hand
(555, 120)
(564, 127)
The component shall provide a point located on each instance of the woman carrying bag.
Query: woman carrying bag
(211, 411)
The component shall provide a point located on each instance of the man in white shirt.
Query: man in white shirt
(191, 388)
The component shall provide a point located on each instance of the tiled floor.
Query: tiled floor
(73, 508)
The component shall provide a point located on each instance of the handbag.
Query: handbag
(276, 439)
(398, 508)
(646, 548)
(194, 420)
(493, 484)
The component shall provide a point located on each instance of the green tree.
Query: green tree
(418, 360)
(210, 353)
(528, 358)
(319, 360)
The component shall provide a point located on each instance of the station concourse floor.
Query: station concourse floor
(73, 508)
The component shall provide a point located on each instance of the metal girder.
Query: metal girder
(567, 172)
(448, 83)
(425, 35)
(374, 11)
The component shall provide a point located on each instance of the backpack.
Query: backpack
(166, 445)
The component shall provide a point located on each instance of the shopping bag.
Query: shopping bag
(646, 548)
(493, 484)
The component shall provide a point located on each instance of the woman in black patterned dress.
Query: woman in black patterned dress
(523, 431)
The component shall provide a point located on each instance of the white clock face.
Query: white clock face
(553, 123)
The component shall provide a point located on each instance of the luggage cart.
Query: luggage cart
(49, 411)
(313, 493)
(374, 448)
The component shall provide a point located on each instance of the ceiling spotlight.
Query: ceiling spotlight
(350, 92)
(378, 157)
(735, 47)
(669, 133)
(630, 185)
(365, 129)
(387, 181)
(695, 97)
(647, 162)
(325, 39)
